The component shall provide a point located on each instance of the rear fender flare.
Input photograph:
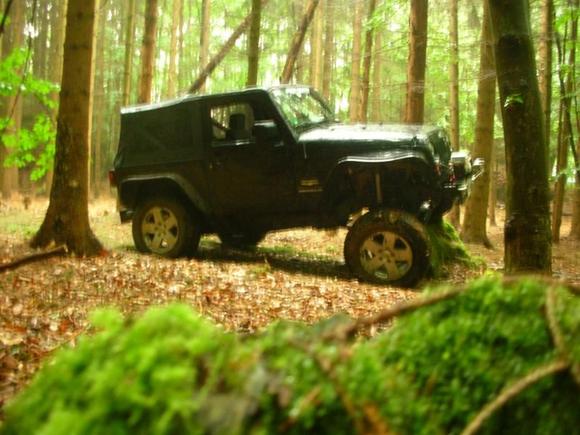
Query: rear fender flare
(132, 188)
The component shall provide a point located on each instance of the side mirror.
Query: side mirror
(266, 131)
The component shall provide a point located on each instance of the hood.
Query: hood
(364, 139)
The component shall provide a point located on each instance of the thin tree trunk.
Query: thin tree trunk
(377, 104)
(575, 228)
(415, 105)
(327, 60)
(367, 62)
(316, 51)
(454, 215)
(215, 61)
(297, 41)
(492, 169)
(545, 67)
(12, 105)
(355, 76)
(474, 221)
(129, 48)
(254, 43)
(98, 110)
(565, 137)
(204, 39)
(67, 218)
(175, 31)
(148, 52)
(527, 228)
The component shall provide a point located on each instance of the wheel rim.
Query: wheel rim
(386, 255)
(160, 229)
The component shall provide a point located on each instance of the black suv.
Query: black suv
(243, 163)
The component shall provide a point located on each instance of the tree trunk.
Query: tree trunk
(527, 228)
(575, 229)
(297, 41)
(474, 221)
(316, 51)
(204, 39)
(148, 52)
(67, 218)
(12, 105)
(327, 59)
(355, 76)
(565, 136)
(172, 69)
(254, 43)
(377, 104)
(454, 215)
(545, 68)
(492, 169)
(129, 47)
(415, 106)
(367, 62)
(215, 61)
(98, 110)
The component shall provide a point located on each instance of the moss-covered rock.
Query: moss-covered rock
(171, 371)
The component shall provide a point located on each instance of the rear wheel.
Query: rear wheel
(164, 227)
(387, 247)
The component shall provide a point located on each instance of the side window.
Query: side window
(231, 122)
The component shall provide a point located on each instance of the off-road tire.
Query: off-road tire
(163, 226)
(387, 247)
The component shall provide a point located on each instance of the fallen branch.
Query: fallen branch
(512, 391)
(557, 336)
(60, 250)
(399, 309)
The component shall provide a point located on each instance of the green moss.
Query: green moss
(171, 371)
(447, 247)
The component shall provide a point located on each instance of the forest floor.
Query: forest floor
(296, 275)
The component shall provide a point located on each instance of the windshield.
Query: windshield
(302, 107)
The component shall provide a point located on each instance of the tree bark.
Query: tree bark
(545, 67)
(129, 47)
(98, 110)
(204, 38)
(474, 229)
(297, 41)
(575, 228)
(148, 52)
(254, 43)
(12, 105)
(215, 61)
(415, 105)
(377, 104)
(355, 76)
(172, 68)
(316, 51)
(67, 218)
(454, 215)
(327, 59)
(367, 62)
(527, 238)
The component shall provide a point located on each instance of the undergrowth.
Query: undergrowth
(171, 371)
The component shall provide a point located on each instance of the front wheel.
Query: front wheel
(387, 247)
(163, 226)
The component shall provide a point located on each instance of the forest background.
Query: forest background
(355, 52)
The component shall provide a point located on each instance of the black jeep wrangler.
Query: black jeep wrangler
(244, 163)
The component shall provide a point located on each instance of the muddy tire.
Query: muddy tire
(387, 247)
(164, 227)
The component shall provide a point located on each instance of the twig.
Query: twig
(557, 336)
(512, 391)
(61, 250)
(5, 16)
(399, 309)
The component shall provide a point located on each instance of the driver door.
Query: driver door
(248, 176)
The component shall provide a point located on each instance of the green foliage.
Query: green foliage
(35, 145)
(170, 371)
